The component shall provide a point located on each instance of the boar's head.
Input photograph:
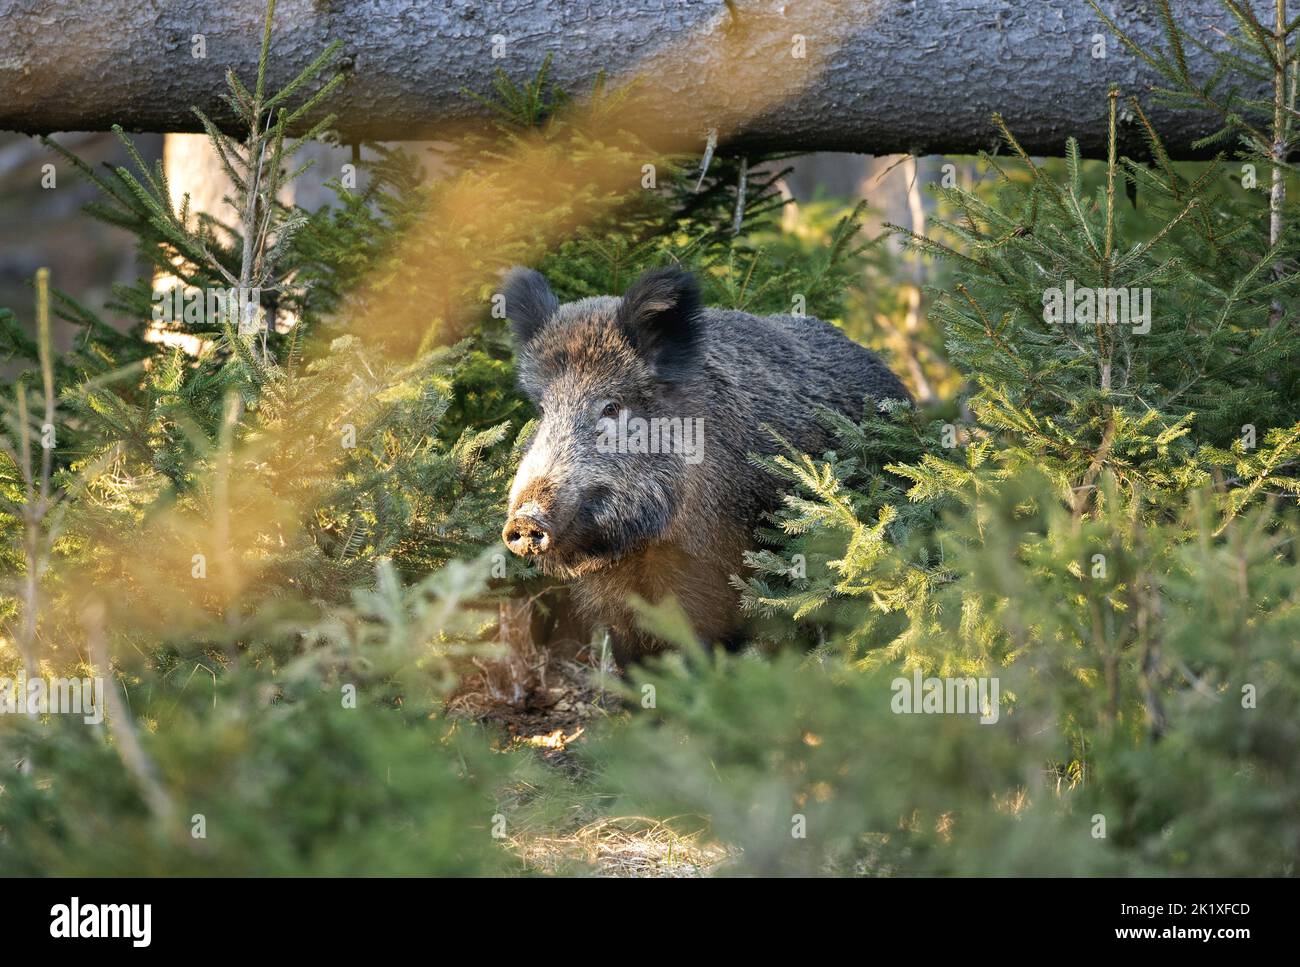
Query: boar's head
(577, 503)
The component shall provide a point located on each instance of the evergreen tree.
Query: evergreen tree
(288, 530)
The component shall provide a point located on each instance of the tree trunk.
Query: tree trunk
(193, 168)
(874, 76)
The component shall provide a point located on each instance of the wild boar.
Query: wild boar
(637, 480)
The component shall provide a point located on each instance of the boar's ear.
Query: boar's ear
(529, 302)
(660, 316)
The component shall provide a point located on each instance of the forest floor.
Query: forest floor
(547, 701)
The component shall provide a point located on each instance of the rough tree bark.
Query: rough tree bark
(874, 76)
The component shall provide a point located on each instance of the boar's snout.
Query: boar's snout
(527, 532)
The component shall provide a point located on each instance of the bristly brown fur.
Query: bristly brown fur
(654, 524)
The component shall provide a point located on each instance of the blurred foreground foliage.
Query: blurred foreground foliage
(280, 549)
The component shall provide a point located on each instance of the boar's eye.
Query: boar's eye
(611, 409)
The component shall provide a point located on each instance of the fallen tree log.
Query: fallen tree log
(874, 76)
